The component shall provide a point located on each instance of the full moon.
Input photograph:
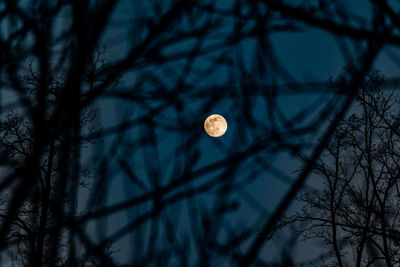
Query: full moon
(215, 125)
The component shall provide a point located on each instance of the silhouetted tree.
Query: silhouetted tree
(30, 229)
(355, 213)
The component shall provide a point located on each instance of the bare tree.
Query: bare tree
(355, 212)
(30, 230)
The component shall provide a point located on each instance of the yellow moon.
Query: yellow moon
(215, 125)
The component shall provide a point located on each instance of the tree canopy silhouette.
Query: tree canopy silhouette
(355, 211)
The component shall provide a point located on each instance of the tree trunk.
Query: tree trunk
(45, 200)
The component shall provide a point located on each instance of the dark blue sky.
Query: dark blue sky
(264, 72)
(310, 55)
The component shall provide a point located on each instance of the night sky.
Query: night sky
(267, 83)
(307, 55)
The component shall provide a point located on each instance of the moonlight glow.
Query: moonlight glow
(215, 125)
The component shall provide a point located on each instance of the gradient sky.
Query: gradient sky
(310, 55)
